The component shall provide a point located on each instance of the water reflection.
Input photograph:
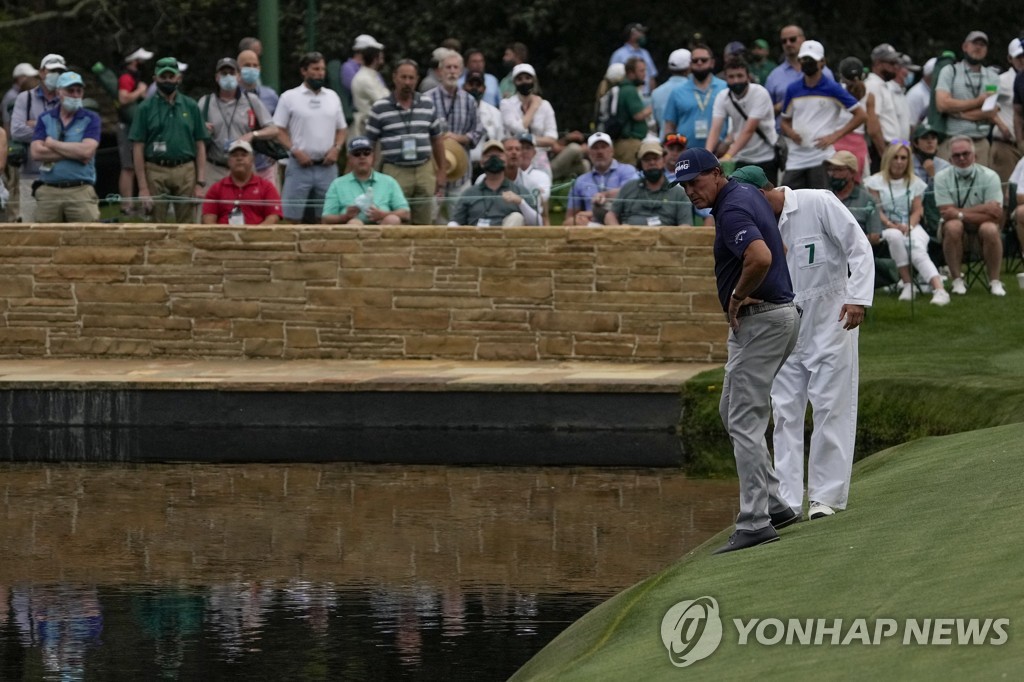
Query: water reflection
(308, 572)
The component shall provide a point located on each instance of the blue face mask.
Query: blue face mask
(702, 212)
(71, 103)
(909, 80)
(250, 75)
(227, 82)
(51, 80)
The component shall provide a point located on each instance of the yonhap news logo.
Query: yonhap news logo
(692, 630)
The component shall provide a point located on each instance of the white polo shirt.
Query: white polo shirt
(311, 119)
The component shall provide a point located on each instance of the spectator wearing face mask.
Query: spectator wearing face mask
(28, 107)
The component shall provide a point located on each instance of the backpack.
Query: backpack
(608, 120)
(936, 119)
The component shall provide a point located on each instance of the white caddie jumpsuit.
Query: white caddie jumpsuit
(824, 242)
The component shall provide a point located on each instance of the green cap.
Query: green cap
(752, 175)
(923, 129)
(166, 64)
(761, 43)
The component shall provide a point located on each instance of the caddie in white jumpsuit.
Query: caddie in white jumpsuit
(823, 240)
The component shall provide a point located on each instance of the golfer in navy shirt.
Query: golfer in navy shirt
(757, 297)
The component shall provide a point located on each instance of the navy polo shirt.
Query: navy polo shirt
(742, 215)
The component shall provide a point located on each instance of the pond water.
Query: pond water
(322, 571)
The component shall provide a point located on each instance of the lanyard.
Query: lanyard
(406, 119)
(967, 195)
(892, 198)
(227, 120)
(702, 104)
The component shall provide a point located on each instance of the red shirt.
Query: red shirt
(258, 199)
(127, 82)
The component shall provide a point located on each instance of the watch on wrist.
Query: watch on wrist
(960, 216)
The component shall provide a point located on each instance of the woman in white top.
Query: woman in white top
(899, 196)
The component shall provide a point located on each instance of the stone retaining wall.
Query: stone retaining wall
(629, 294)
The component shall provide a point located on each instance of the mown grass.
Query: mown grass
(932, 532)
(923, 372)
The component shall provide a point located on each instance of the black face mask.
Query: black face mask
(494, 164)
(700, 74)
(524, 88)
(738, 88)
(166, 87)
(314, 84)
(972, 61)
(809, 68)
(924, 155)
(652, 174)
(837, 184)
(638, 82)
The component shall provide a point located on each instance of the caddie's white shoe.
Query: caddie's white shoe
(817, 510)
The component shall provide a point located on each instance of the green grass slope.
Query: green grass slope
(933, 531)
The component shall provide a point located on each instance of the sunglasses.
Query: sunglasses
(675, 139)
(700, 60)
(791, 39)
(905, 143)
(360, 152)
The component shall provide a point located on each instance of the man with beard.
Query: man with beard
(748, 109)
(457, 111)
(812, 120)
(690, 106)
(960, 93)
(169, 148)
(756, 293)
(631, 112)
(409, 132)
(312, 125)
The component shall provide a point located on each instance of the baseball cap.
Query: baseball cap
(885, 53)
(693, 162)
(51, 62)
(359, 142)
(907, 63)
(226, 61)
(923, 129)
(1016, 48)
(761, 43)
(69, 78)
(24, 69)
(523, 68)
(599, 137)
(679, 59)
(812, 49)
(240, 144)
(752, 175)
(475, 76)
(140, 55)
(650, 147)
(167, 64)
(525, 138)
(364, 41)
(851, 68)
(734, 47)
(929, 66)
(844, 158)
(615, 73)
(976, 35)
(492, 144)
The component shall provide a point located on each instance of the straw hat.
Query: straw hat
(458, 160)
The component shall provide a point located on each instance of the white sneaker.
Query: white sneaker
(996, 287)
(940, 297)
(817, 510)
(959, 287)
(907, 291)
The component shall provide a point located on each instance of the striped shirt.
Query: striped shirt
(458, 114)
(390, 123)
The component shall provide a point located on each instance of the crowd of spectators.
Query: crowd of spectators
(421, 137)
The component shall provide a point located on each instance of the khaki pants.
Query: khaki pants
(67, 204)
(418, 184)
(626, 149)
(177, 185)
(215, 173)
(1003, 158)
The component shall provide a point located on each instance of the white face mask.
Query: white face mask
(964, 172)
